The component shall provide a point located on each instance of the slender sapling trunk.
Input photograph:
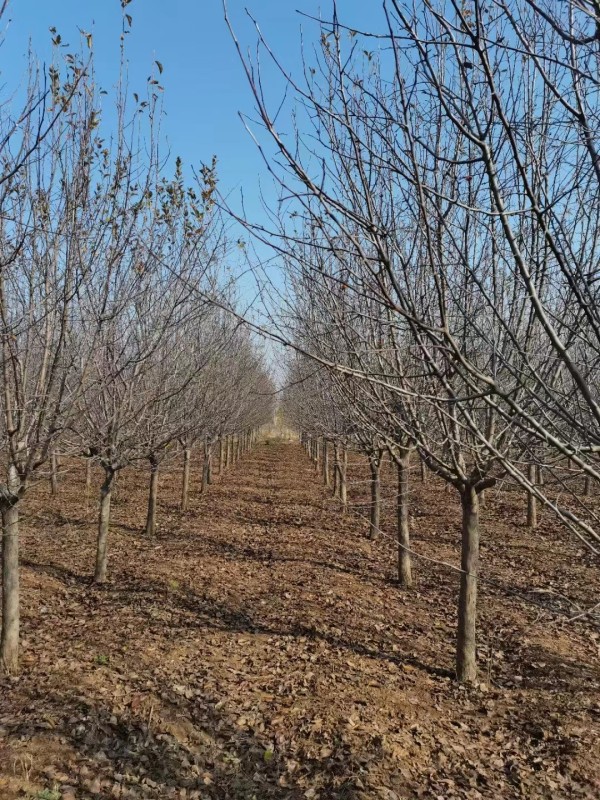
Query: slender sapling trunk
(404, 560)
(9, 640)
(53, 474)
(466, 643)
(185, 486)
(531, 500)
(343, 478)
(375, 465)
(103, 523)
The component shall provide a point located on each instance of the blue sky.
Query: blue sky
(203, 80)
(204, 84)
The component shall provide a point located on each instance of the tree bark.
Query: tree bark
(336, 468)
(209, 471)
(9, 640)
(343, 476)
(152, 498)
(587, 486)
(326, 462)
(375, 465)
(185, 486)
(53, 474)
(221, 455)
(103, 523)
(466, 645)
(88, 473)
(205, 468)
(531, 499)
(404, 559)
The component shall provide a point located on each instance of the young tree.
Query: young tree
(49, 153)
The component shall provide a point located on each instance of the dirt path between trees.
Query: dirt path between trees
(258, 647)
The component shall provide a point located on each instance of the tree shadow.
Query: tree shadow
(205, 610)
(544, 669)
(267, 555)
(60, 573)
(189, 609)
(140, 748)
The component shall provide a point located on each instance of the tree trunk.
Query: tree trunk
(186, 479)
(221, 455)
(152, 497)
(326, 462)
(205, 469)
(422, 471)
(336, 468)
(227, 451)
(88, 473)
(404, 560)
(9, 641)
(209, 472)
(343, 475)
(53, 474)
(375, 465)
(103, 523)
(466, 645)
(531, 500)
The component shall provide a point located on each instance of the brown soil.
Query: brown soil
(259, 647)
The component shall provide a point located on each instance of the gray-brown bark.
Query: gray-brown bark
(336, 468)
(205, 468)
(404, 559)
(531, 499)
(375, 467)
(209, 464)
(152, 498)
(466, 646)
(53, 474)
(343, 472)
(185, 485)
(9, 640)
(325, 462)
(103, 524)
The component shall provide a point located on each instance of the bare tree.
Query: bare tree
(49, 153)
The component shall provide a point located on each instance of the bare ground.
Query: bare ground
(259, 647)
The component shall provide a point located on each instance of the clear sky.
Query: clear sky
(203, 80)
(204, 84)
